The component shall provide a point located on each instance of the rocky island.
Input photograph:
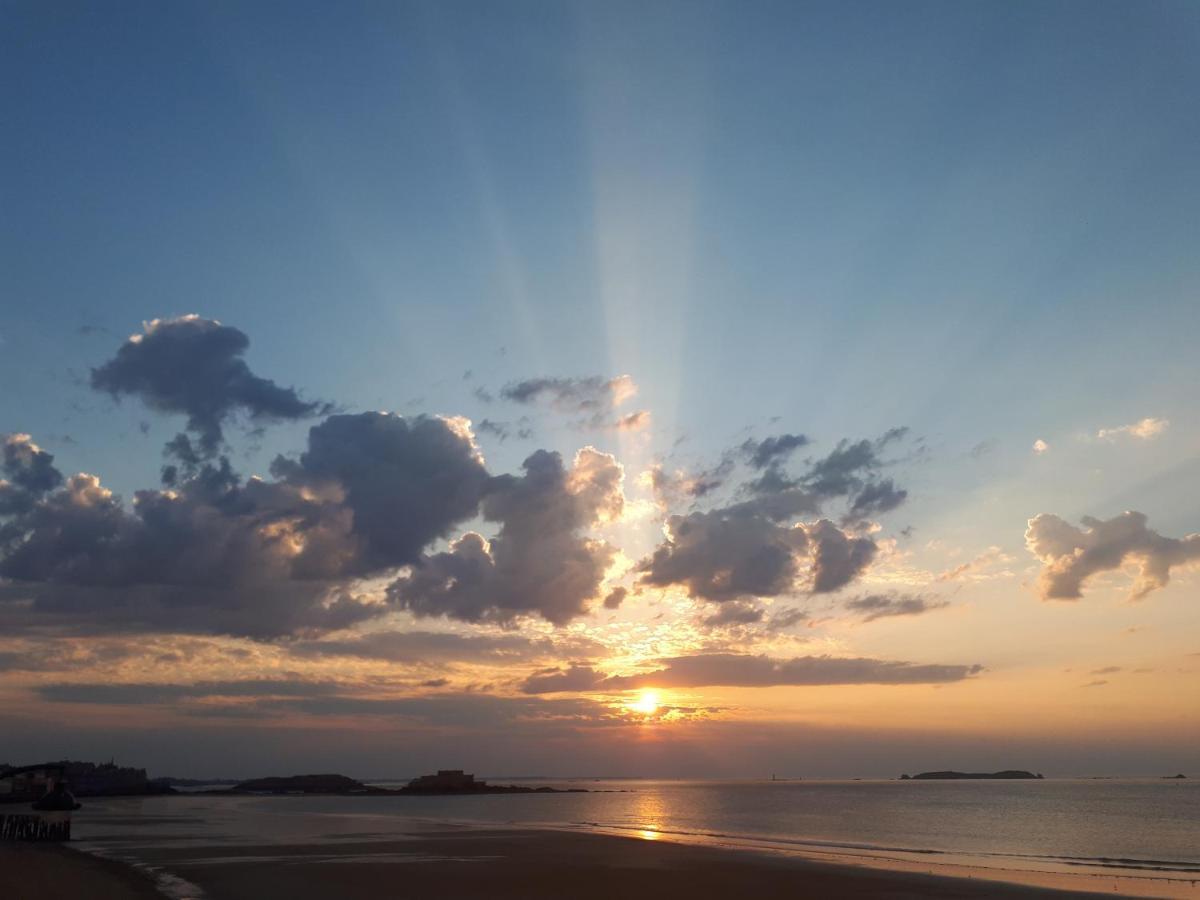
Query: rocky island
(446, 781)
(966, 776)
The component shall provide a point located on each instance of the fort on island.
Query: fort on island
(447, 781)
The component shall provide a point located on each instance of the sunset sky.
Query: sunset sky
(634, 389)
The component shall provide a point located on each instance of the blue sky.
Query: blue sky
(976, 221)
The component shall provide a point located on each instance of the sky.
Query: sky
(700, 389)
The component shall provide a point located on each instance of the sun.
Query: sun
(646, 703)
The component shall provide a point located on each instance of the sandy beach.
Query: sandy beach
(467, 864)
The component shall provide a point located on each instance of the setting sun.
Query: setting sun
(646, 703)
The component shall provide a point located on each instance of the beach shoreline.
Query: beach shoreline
(470, 863)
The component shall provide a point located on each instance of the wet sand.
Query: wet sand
(470, 864)
(56, 872)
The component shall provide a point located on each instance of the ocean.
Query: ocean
(1143, 828)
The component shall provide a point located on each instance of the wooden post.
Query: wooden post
(26, 827)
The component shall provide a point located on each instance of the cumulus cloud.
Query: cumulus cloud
(756, 547)
(540, 562)
(744, 670)
(255, 557)
(29, 473)
(1071, 555)
(726, 554)
(404, 482)
(194, 367)
(837, 557)
(879, 606)
(1040, 446)
(1144, 430)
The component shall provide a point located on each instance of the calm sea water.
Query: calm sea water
(1148, 828)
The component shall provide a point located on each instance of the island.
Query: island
(965, 776)
(445, 781)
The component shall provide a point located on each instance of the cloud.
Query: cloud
(553, 681)
(540, 562)
(674, 487)
(875, 499)
(1071, 555)
(755, 547)
(29, 473)
(743, 670)
(772, 450)
(726, 554)
(432, 647)
(837, 557)
(137, 693)
(572, 395)
(787, 618)
(404, 482)
(502, 431)
(1106, 670)
(1144, 430)
(193, 366)
(1040, 446)
(615, 598)
(735, 612)
(879, 606)
(635, 421)
(976, 569)
(255, 558)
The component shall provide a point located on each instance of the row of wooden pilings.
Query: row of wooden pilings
(34, 827)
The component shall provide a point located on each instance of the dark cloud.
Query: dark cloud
(540, 562)
(572, 395)
(741, 670)
(254, 558)
(735, 612)
(615, 598)
(772, 450)
(193, 366)
(837, 557)
(742, 551)
(726, 554)
(502, 431)
(553, 681)
(29, 473)
(756, 547)
(404, 482)
(1106, 670)
(876, 498)
(846, 469)
(879, 606)
(1070, 555)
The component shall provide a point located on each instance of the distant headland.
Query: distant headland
(446, 781)
(966, 776)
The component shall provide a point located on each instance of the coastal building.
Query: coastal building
(28, 782)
